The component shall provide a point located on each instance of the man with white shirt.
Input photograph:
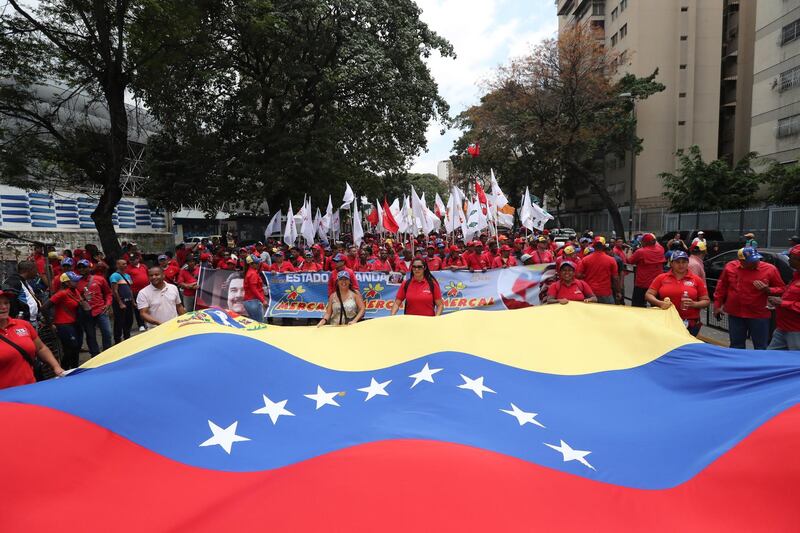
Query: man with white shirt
(160, 301)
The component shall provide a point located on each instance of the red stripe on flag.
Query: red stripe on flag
(62, 473)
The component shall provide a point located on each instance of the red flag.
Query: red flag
(474, 149)
(372, 218)
(388, 219)
(481, 196)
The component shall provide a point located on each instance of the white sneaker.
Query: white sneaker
(142, 328)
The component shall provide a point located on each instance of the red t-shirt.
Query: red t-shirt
(788, 313)
(285, 266)
(598, 269)
(381, 266)
(419, 300)
(100, 294)
(401, 266)
(332, 280)
(309, 266)
(455, 262)
(499, 262)
(254, 286)
(65, 303)
(139, 278)
(434, 263)
(187, 278)
(649, 261)
(577, 291)
(541, 258)
(14, 370)
(667, 285)
(474, 261)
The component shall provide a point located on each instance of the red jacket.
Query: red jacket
(736, 292)
(788, 313)
(649, 261)
(474, 261)
(99, 292)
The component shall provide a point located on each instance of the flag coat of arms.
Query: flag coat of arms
(212, 422)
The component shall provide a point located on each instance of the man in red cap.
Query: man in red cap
(542, 254)
(473, 257)
(433, 260)
(455, 261)
(649, 261)
(505, 259)
(787, 309)
(601, 273)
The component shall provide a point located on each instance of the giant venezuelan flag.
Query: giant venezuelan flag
(558, 418)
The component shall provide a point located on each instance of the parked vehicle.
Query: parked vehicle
(716, 264)
(711, 235)
(566, 233)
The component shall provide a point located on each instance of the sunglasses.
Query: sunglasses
(418, 266)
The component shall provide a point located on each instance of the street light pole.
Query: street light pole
(631, 191)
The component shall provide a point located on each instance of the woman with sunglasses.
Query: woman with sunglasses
(345, 304)
(421, 292)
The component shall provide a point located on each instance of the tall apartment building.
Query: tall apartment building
(682, 39)
(775, 132)
(736, 90)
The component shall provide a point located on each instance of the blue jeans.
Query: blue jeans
(71, 338)
(255, 310)
(785, 340)
(90, 325)
(739, 327)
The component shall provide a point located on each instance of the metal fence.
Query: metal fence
(772, 226)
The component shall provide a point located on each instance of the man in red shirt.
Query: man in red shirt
(455, 260)
(139, 280)
(403, 264)
(280, 265)
(381, 264)
(489, 255)
(98, 293)
(742, 291)
(787, 310)
(600, 272)
(542, 255)
(308, 264)
(505, 259)
(434, 261)
(171, 270)
(472, 257)
(649, 261)
(187, 280)
(339, 265)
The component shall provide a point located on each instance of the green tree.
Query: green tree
(63, 120)
(784, 183)
(710, 186)
(552, 117)
(288, 97)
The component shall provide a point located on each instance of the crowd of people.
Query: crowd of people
(71, 294)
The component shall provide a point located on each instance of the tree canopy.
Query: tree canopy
(281, 98)
(710, 186)
(551, 117)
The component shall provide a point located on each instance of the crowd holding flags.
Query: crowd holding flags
(411, 215)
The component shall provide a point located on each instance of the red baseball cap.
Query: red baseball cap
(505, 248)
(648, 238)
(795, 250)
(205, 257)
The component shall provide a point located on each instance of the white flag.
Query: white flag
(451, 219)
(421, 220)
(365, 201)
(380, 214)
(290, 233)
(307, 228)
(336, 223)
(500, 200)
(321, 231)
(348, 197)
(396, 212)
(274, 225)
(540, 217)
(526, 211)
(358, 231)
(441, 211)
(476, 220)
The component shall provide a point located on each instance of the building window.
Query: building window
(681, 95)
(683, 67)
(614, 40)
(598, 8)
(681, 123)
(623, 58)
(623, 31)
(622, 5)
(684, 9)
(788, 126)
(614, 14)
(790, 32)
(789, 79)
(684, 37)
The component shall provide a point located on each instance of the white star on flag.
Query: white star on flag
(322, 397)
(426, 374)
(375, 389)
(571, 455)
(475, 385)
(523, 417)
(273, 409)
(223, 437)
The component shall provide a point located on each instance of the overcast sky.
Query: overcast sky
(485, 34)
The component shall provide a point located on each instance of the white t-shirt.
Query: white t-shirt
(161, 303)
(30, 299)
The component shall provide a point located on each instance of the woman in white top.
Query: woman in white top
(345, 306)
